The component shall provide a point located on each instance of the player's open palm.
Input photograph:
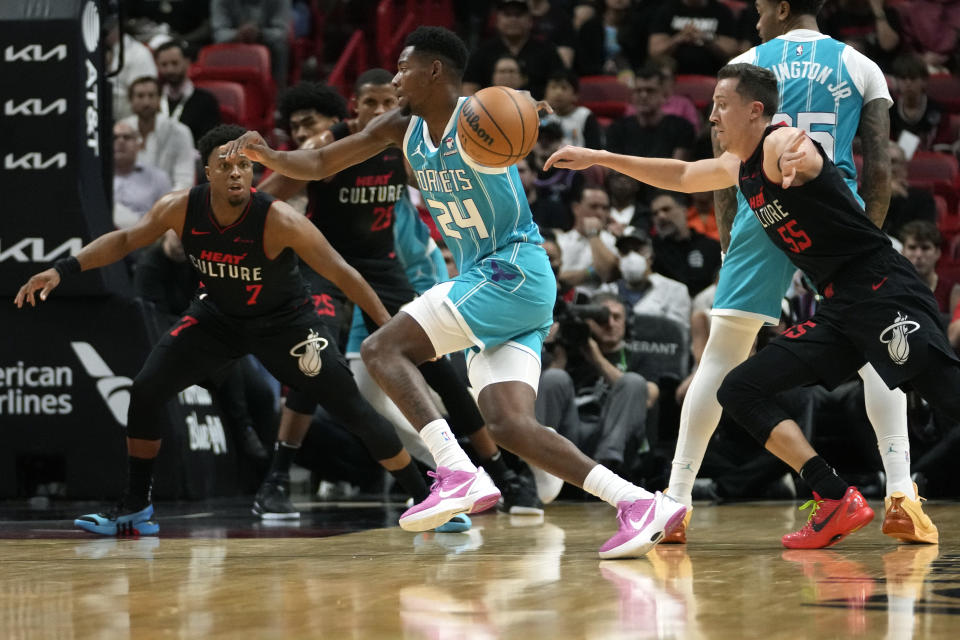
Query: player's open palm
(569, 157)
(44, 282)
(793, 158)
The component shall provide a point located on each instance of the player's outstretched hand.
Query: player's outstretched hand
(792, 158)
(44, 282)
(251, 144)
(569, 157)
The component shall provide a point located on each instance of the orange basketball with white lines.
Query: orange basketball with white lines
(498, 126)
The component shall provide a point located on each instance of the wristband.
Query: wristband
(67, 266)
(591, 272)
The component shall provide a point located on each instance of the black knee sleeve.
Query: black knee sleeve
(751, 406)
(146, 414)
(359, 418)
(301, 402)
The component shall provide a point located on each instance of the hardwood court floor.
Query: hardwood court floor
(510, 577)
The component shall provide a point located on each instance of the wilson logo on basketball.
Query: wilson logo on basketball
(895, 337)
(308, 353)
(473, 120)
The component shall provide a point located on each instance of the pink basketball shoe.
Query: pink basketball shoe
(643, 523)
(453, 492)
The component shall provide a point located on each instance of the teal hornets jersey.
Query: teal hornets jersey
(479, 210)
(823, 86)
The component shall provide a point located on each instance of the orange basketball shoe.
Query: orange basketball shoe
(830, 521)
(679, 535)
(906, 521)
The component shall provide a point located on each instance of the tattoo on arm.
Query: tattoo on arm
(724, 201)
(875, 178)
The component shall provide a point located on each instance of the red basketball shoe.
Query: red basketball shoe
(830, 521)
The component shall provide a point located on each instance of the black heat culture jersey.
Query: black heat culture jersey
(235, 273)
(354, 208)
(819, 225)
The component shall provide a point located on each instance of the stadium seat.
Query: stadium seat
(953, 253)
(605, 96)
(945, 89)
(248, 65)
(232, 99)
(665, 344)
(697, 88)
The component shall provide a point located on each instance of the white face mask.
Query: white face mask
(633, 266)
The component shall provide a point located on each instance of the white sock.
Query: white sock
(444, 446)
(731, 338)
(611, 488)
(887, 411)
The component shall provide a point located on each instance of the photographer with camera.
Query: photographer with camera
(591, 391)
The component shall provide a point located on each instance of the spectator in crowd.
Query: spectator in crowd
(906, 203)
(700, 215)
(747, 34)
(136, 187)
(643, 291)
(589, 250)
(650, 132)
(187, 20)
(164, 277)
(700, 308)
(558, 185)
(921, 246)
(912, 109)
(866, 25)
(931, 28)
(196, 108)
(701, 35)
(675, 104)
(514, 27)
(592, 393)
(613, 39)
(579, 125)
(551, 23)
(165, 143)
(507, 72)
(680, 252)
(265, 22)
(548, 213)
(626, 206)
(137, 63)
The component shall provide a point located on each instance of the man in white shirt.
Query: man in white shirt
(166, 143)
(137, 63)
(589, 250)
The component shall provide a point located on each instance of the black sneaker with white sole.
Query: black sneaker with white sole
(520, 496)
(272, 501)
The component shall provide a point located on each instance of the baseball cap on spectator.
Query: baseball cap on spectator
(632, 239)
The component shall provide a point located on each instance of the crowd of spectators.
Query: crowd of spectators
(650, 258)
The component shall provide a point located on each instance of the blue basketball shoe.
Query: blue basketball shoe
(457, 524)
(120, 521)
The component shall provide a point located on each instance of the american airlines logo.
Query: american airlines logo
(34, 107)
(115, 390)
(34, 161)
(35, 250)
(34, 53)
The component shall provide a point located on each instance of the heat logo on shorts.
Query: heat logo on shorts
(308, 353)
(895, 337)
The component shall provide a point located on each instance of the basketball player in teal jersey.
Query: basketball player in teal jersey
(499, 306)
(829, 90)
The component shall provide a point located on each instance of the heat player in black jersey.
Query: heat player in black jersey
(354, 210)
(245, 247)
(875, 307)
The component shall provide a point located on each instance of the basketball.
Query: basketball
(498, 126)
